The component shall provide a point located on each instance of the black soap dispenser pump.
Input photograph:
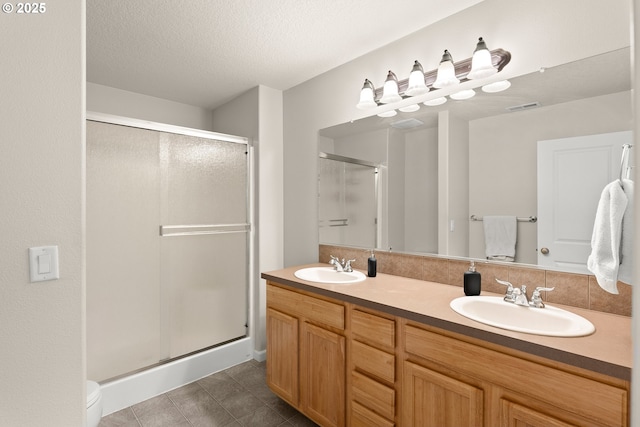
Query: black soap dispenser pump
(472, 281)
(372, 265)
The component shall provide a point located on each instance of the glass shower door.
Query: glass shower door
(204, 245)
(167, 246)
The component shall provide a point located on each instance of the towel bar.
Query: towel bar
(520, 219)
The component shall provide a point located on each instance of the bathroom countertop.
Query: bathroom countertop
(608, 350)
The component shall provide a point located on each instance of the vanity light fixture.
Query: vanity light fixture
(435, 101)
(390, 91)
(463, 94)
(417, 85)
(481, 65)
(389, 113)
(496, 86)
(447, 74)
(367, 96)
(409, 108)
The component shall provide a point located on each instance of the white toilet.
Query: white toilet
(94, 404)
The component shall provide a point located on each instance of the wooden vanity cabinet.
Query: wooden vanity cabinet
(343, 364)
(454, 381)
(371, 394)
(306, 353)
(283, 355)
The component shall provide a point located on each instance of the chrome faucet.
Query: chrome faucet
(509, 296)
(343, 265)
(536, 299)
(521, 296)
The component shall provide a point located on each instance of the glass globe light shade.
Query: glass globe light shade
(367, 96)
(390, 89)
(481, 65)
(409, 108)
(416, 85)
(446, 72)
(436, 101)
(463, 94)
(496, 86)
(389, 113)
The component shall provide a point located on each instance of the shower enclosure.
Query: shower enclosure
(348, 201)
(168, 236)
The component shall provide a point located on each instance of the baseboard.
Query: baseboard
(260, 355)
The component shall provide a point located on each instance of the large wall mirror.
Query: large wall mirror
(439, 168)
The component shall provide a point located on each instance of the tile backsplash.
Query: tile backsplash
(576, 290)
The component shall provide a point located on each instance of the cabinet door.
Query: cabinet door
(515, 415)
(436, 400)
(322, 375)
(282, 355)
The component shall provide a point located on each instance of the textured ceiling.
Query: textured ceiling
(206, 52)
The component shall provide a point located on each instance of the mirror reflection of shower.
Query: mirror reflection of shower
(348, 199)
(407, 159)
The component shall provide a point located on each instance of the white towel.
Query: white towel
(611, 256)
(500, 233)
(625, 272)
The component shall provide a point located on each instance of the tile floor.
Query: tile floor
(236, 397)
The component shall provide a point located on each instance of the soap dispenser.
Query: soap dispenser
(472, 281)
(372, 265)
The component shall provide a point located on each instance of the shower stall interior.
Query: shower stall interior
(168, 256)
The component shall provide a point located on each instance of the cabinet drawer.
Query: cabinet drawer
(313, 309)
(375, 396)
(373, 361)
(373, 330)
(362, 417)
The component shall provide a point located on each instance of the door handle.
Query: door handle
(544, 251)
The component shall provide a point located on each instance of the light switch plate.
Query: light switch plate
(43, 263)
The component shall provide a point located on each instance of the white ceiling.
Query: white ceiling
(207, 52)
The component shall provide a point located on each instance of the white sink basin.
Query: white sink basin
(549, 321)
(329, 275)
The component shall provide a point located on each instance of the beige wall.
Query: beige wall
(421, 191)
(257, 115)
(109, 100)
(42, 343)
(453, 184)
